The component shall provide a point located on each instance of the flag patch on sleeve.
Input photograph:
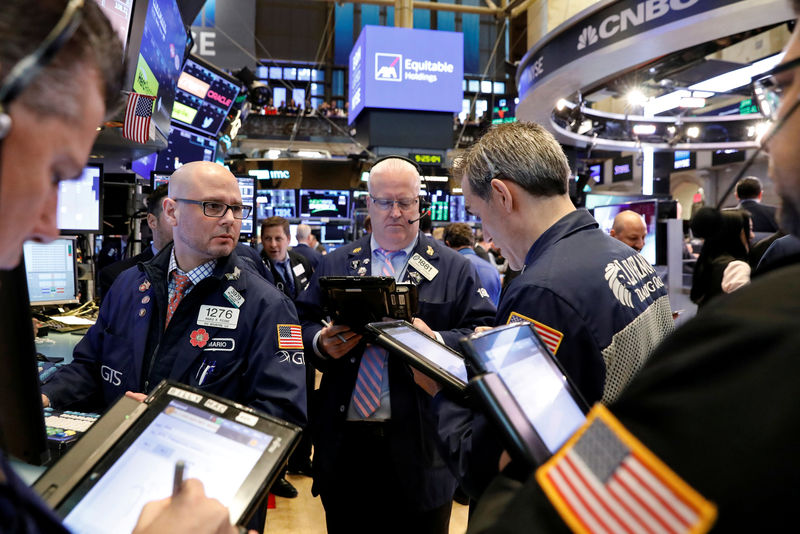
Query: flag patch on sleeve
(605, 480)
(290, 336)
(551, 337)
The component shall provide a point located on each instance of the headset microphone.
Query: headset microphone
(421, 215)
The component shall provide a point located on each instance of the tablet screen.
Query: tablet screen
(429, 349)
(538, 386)
(219, 452)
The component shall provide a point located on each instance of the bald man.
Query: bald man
(194, 313)
(629, 227)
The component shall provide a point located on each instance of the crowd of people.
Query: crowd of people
(706, 409)
(293, 109)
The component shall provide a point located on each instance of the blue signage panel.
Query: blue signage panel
(402, 68)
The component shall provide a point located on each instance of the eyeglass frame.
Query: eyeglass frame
(777, 124)
(246, 210)
(384, 207)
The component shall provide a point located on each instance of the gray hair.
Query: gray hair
(302, 232)
(524, 153)
(94, 46)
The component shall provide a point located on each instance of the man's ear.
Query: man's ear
(170, 208)
(503, 195)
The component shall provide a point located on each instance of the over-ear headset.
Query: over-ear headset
(28, 67)
(424, 199)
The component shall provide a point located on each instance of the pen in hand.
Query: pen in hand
(177, 479)
(328, 324)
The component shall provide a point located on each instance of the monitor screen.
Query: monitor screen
(458, 210)
(51, 272)
(440, 205)
(684, 159)
(204, 97)
(159, 178)
(648, 209)
(79, 202)
(276, 202)
(622, 169)
(324, 203)
(184, 146)
(247, 188)
(596, 173)
(726, 157)
(160, 58)
(333, 233)
(118, 13)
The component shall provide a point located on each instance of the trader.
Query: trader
(749, 192)
(629, 227)
(375, 464)
(459, 237)
(194, 313)
(290, 270)
(303, 236)
(47, 126)
(710, 404)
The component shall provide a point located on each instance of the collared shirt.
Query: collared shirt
(285, 270)
(196, 275)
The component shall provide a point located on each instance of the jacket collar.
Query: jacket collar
(574, 221)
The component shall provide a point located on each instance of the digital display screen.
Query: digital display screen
(596, 173)
(204, 98)
(404, 68)
(324, 203)
(160, 58)
(79, 202)
(649, 210)
(440, 206)
(726, 157)
(430, 350)
(458, 210)
(276, 202)
(219, 452)
(622, 169)
(184, 146)
(50, 270)
(248, 188)
(539, 387)
(118, 13)
(332, 233)
(683, 160)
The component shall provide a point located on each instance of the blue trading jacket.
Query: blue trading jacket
(128, 349)
(452, 303)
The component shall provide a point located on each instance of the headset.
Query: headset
(28, 67)
(424, 199)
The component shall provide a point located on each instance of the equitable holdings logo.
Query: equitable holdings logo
(588, 37)
(388, 67)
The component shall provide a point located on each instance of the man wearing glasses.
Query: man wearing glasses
(717, 402)
(195, 313)
(375, 464)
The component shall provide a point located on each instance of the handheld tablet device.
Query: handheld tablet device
(437, 361)
(358, 300)
(525, 390)
(128, 458)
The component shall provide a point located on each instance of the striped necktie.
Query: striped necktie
(391, 261)
(182, 283)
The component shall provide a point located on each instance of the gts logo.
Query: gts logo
(112, 376)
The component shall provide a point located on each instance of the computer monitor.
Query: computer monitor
(247, 186)
(184, 146)
(118, 13)
(331, 203)
(648, 209)
(276, 202)
(684, 160)
(333, 234)
(458, 210)
(440, 205)
(51, 272)
(204, 96)
(79, 202)
(159, 178)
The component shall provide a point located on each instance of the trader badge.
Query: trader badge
(429, 251)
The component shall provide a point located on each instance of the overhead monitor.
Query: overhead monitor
(331, 203)
(204, 96)
(184, 146)
(726, 157)
(159, 178)
(118, 13)
(334, 234)
(648, 209)
(276, 202)
(596, 173)
(458, 210)
(622, 169)
(247, 187)
(684, 160)
(79, 201)
(404, 68)
(440, 205)
(51, 270)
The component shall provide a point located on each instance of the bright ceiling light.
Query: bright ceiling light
(761, 130)
(561, 104)
(636, 98)
(273, 153)
(585, 127)
(692, 102)
(737, 78)
(693, 132)
(309, 154)
(666, 102)
(644, 129)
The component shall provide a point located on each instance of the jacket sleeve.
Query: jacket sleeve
(309, 308)
(471, 307)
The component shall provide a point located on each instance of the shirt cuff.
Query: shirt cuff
(439, 337)
(316, 349)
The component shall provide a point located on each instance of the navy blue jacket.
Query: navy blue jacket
(453, 303)
(312, 255)
(128, 348)
(21, 509)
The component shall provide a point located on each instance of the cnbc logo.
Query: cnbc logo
(388, 67)
(587, 37)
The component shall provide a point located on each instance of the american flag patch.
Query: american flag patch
(290, 336)
(605, 480)
(551, 337)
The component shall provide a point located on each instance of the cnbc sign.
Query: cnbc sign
(402, 68)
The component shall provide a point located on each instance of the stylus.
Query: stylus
(327, 324)
(177, 479)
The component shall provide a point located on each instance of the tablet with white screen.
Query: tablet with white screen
(525, 389)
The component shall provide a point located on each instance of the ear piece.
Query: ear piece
(5, 124)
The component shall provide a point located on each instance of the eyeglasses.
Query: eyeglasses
(212, 208)
(386, 204)
(768, 90)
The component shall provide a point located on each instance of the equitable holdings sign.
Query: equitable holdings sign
(402, 68)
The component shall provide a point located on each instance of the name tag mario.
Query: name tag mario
(218, 317)
(425, 269)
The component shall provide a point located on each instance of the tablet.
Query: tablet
(358, 300)
(235, 451)
(525, 390)
(436, 360)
